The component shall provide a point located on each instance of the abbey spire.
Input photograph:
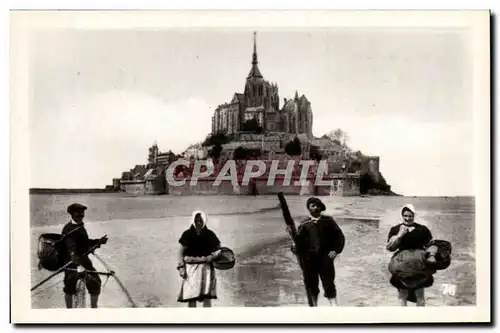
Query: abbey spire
(254, 72)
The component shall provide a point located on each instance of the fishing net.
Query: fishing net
(79, 299)
(118, 281)
(409, 266)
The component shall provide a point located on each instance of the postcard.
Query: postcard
(250, 167)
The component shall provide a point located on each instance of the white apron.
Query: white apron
(200, 283)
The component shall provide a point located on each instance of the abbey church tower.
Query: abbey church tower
(254, 86)
(259, 108)
(261, 97)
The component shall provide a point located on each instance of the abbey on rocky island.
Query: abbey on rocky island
(258, 110)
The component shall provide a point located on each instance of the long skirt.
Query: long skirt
(200, 283)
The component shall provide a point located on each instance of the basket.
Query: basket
(50, 252)
(442, 252)
(225, 260)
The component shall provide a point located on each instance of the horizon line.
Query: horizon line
(110, 191)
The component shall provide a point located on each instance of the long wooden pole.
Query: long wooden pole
(293, 234)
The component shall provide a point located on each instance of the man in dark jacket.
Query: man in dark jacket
(77, 243)
(319, 240)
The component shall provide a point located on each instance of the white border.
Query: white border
(23, 22)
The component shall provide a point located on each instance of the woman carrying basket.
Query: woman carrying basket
(410, 237)
(199, 247)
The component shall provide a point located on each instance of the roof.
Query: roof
(289, 104)
(303, 101)
(254, 72)
(237, 97)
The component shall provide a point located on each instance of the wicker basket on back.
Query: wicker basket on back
(50, 252)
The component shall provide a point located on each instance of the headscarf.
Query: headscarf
(409, 207)
(203, 218)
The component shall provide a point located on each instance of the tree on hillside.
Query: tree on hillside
(340, 136)
(216, 151)
(240, 153)
(216, 138)
(293, 148)
(314, 153)
(367, 183)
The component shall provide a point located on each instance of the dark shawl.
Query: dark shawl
(199, 245)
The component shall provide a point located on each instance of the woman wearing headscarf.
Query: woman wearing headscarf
(199, 247)
(413, 238)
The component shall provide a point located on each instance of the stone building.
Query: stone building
(257, 109)
(155, 157)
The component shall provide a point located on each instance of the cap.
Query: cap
(76, 207)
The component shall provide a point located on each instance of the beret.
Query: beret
(317, 202)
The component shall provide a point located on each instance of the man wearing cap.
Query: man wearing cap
(77, 243)
(319, 240)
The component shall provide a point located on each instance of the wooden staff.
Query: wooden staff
(293, 234)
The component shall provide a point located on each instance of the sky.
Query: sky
(100, 99)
